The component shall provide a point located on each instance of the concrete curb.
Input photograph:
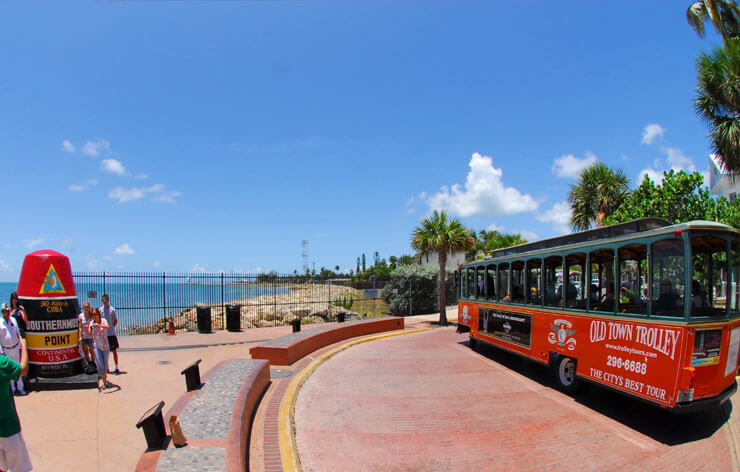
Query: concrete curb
(288, 451)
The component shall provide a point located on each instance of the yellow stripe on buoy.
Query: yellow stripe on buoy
(288, 451)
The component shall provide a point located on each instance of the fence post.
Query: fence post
(164, 293)
(223, 303)
(104, 291)
(328, 282)
(274, 301)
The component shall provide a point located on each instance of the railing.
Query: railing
(145, 301)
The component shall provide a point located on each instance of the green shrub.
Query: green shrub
(417, 290)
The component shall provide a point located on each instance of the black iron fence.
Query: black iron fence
(145, 302)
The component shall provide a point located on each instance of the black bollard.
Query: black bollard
(296, 323)
(153, 425)
(192, 376)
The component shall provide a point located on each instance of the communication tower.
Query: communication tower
(305, 255)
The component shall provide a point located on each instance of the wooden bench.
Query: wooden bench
(288, 349)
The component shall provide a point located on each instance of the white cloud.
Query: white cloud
(142, 176)
(65, 243)
(156, 264)
(677, 161)
(197, 268)
(558, 216)
(82, 187)
(484, 193)
(31, 243)
(113, 166)
(651, 133)
(569, 165)
(5, 267)
(495, 227)
(165, 196)
(528, 235)
(107, 258)
(67, 146)
(91, 261)
(7, 246)
(95, 147)
(655, 176)
(158, 193)
(124, 250)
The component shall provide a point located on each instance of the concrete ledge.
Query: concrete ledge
(288, 349)
(202, 414)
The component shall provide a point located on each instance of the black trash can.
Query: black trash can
(204, 319)
(296, 323)
(340, 317)
(233, 318)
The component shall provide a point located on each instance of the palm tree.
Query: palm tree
(597, 194)
(718, 101)
(439, 234)
(724, 15)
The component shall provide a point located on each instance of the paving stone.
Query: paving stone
(208, 414)
(192, 459)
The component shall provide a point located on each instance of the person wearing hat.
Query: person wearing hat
(10, 341)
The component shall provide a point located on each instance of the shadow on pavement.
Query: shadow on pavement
(661, 425)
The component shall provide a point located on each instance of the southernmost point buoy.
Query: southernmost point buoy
(47, 292)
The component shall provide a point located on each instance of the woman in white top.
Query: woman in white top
(98, 329)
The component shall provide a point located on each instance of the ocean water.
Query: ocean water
(140, 303)
(6, 288)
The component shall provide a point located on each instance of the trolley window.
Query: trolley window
(602, 280)
(503, 282)
(553, 281)
(533, 285)
(668, 278)
(575, 267)
(709, 275)
(490, 282)
(517, 282)
(632, 279)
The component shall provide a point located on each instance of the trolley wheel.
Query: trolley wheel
(473, 342)
(565, 374)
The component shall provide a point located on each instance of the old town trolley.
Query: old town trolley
(647, 308)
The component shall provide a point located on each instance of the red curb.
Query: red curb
(286, 355)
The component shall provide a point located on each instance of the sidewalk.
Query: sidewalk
(84, 430)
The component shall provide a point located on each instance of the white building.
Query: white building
(720, 183)
(432, 259)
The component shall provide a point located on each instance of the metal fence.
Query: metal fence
(145, 301)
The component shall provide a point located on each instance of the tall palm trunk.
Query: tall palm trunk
(442, 289)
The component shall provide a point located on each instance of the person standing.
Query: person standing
(10, 340)
(17, 312)
(98, 330)
(13, 452)
(84, 319)
(109, 313)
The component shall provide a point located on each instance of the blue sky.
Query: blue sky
(189, 136)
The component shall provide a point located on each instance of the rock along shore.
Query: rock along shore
(308, 302)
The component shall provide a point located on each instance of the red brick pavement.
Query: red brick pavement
(427, 402)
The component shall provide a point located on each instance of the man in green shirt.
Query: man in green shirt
(13, 451)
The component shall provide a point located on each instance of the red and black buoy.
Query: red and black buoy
(47, 292)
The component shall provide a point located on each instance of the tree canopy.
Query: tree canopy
(598, 193)
(679, 198)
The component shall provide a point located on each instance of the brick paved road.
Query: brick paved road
(428, 402)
